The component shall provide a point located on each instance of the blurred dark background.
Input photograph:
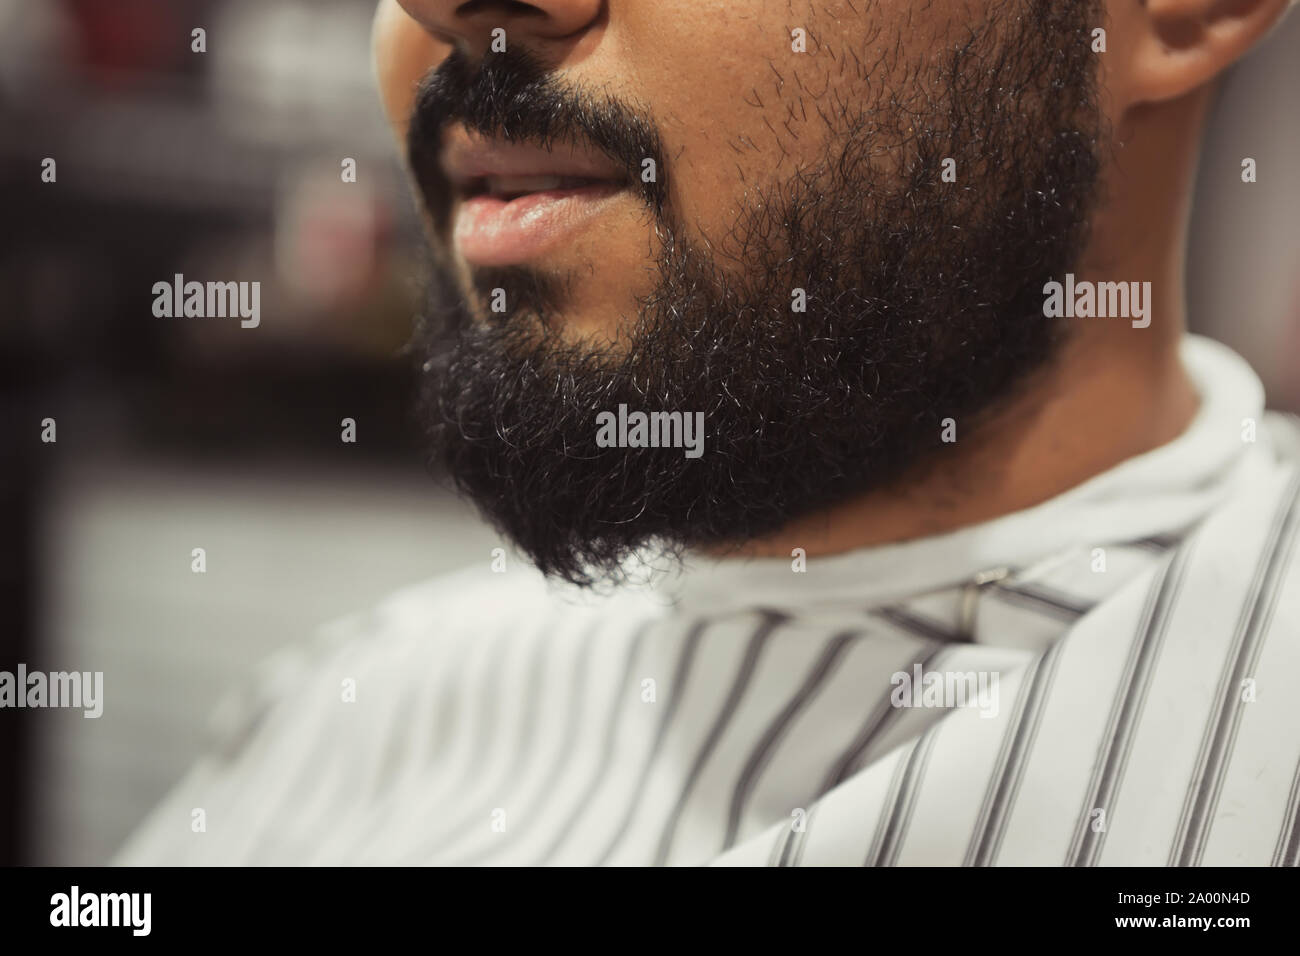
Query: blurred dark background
(182, 433)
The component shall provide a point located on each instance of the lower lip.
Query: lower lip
(498, 232)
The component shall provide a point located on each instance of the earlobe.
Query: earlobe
(1180, 45)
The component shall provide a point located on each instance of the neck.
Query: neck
(1115, 392)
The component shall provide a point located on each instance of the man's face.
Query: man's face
(824, 228)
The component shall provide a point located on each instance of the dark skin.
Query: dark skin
(1116, 393)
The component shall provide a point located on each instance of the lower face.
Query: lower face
(850, 215)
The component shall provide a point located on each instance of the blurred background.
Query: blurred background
(174, 435)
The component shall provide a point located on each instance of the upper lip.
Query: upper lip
(468, 160)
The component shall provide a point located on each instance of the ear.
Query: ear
(1171, 47)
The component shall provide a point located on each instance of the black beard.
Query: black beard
(923, 302)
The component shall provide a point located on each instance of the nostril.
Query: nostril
(541, 19)
(508, 7)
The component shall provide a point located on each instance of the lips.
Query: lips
(515, 201)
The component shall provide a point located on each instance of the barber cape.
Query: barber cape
(1108, 678)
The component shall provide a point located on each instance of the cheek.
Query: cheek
(719, 77)
(695, 70)
(743, 102)
(403, 54)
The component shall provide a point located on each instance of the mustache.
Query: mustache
(513, 97)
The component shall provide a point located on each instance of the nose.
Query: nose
(470, 24)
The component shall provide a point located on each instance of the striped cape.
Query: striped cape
(1105, 679)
